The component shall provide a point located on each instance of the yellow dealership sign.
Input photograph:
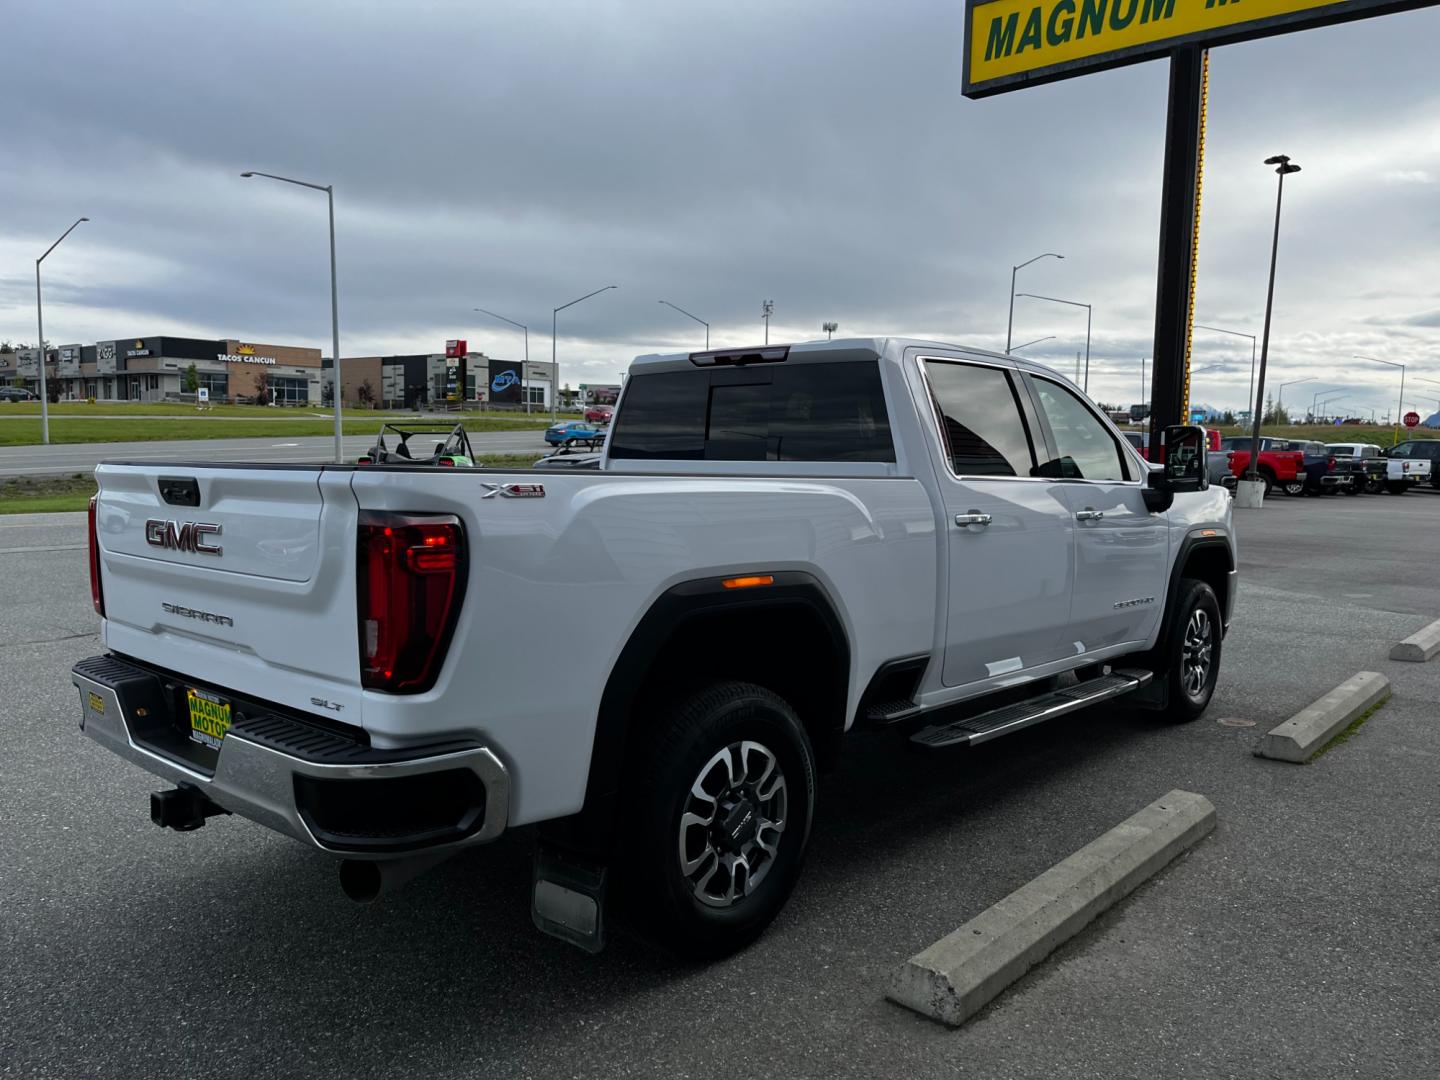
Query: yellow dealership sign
(1015, 43)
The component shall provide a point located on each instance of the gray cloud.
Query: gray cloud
(516, 156)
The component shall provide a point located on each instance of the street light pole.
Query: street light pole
(1395, 435)
(1325, 403)
(40, 341)
(329, 190)
(1280, 392)
(767, 308)
(1088, 312)
(1283, 168)
(524, 389)
(1237, 333)
(554, 363)
(1010, 322)
(1315, 398)
(697, 318)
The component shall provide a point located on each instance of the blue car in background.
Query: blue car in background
(571, 432)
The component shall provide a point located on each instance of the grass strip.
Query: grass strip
(1350, 729)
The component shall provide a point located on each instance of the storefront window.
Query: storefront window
(289, 391)
(217, 382)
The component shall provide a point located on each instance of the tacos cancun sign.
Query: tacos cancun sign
(246, 358)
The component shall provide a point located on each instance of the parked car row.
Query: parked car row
(1310, 467)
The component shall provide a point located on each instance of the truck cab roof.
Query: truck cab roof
(886, 349)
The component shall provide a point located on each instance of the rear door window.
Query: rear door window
(804, 412)
(980, 418)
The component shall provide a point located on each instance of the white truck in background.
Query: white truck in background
(786, 542)
(1402, 472)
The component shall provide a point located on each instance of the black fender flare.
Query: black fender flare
(678, 606)
(1188, 547)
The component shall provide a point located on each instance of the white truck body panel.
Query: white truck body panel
(558, 584)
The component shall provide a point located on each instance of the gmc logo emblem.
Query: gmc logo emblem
(188, 537)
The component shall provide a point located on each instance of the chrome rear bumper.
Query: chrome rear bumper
(262, 774)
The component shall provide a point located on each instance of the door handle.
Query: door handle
(974, 517)
(1089, 514)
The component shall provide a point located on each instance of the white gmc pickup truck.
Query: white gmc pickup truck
(654, 660)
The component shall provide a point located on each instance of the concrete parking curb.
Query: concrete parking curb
(958, 975)
(1419, 646)
(1297, 739)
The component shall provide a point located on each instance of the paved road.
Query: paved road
(83, 457)
(1297, 941)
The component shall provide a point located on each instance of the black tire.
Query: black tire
(1294, 487)
(1269, 482)
(1352, 488)
(1194, 598)
(683, 752)
(1397, 489)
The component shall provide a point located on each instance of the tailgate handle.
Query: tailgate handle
(180, 490)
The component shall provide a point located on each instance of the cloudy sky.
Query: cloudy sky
(820, 154)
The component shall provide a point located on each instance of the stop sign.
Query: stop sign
(1412, 419)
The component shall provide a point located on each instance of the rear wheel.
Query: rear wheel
(1293, 487)
(1397, 489)
(1269, 481)
(719, 813)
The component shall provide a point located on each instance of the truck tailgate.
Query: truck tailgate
(239, 577)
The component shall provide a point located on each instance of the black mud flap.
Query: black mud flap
(1154, 696)
(567, 898)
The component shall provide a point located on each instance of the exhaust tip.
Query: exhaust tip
(361, 880)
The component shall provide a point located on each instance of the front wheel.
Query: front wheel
(719, 810)
(1192, 651)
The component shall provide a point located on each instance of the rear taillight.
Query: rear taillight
(96, 596)
(362, 461)
(1331, 466)
(411, 580)
(448, 461)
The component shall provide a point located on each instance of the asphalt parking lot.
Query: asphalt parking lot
(1297, 940)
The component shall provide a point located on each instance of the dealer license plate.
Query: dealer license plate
(209, 718)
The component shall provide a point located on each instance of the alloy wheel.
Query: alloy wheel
(731, 824)
(1196, 649)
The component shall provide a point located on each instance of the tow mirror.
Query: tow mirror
(1184, 468)
(1185, 463)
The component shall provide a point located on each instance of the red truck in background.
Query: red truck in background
(1141, 441)
(1277, 466)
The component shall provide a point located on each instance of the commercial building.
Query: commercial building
(230, 370)
(414, 381)
(156, 369)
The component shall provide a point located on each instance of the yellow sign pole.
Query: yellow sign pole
(1195, 233)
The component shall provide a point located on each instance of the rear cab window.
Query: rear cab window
(981, 421)
(809, 411)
